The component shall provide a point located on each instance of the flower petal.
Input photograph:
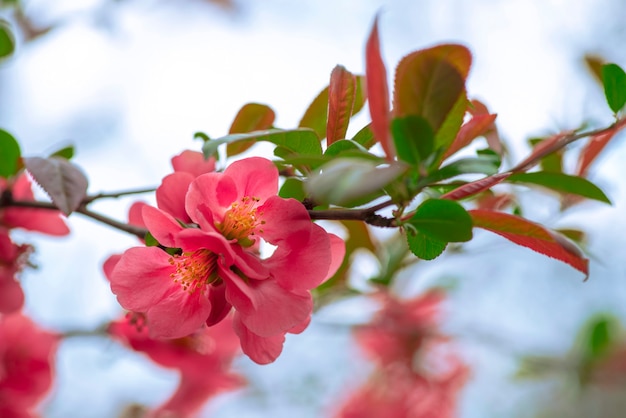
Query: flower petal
(11, 295)
(179, 314)
(260, 350)
(277, 310)
(310, 252)
(40, 220)
(219, 305)
(254, 177)
(170, 195)
(191, 239)
(213, 190)
(161, 225)
(141, 278)
(193, 162)
(284, 218)
(337, 253)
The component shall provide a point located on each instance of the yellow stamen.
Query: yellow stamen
(242, 221)
(194, 270)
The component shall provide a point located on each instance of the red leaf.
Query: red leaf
(594, 147)
(475, 187)
(251, 117)
(430, 82)
(378, 92)
(493, 137)
(475, 127)
(341, 97)
(63, 181)
(539, 151)
(531, 235)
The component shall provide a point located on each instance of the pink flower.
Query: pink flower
(13, 257)
(203, 360)
(416, 374)
(25, 365)
(187, 166)
(218, 265)
(41, 220)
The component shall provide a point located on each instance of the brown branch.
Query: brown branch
(527, 163)
(116, 195)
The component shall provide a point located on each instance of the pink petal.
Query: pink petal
(337, 253)
(40, 220)
(11, 295)
(135, 216)
(213, 190)
(219, 305)
(283, 218)
(254, 177)
(170, 195)
(276, 310)
(300, 327)
(141, 278)
(179, 314)
(192, 239)
(250, 264)
(161, 225)
(193, 162)
(310, 253)
(109, 265)
(260, 350)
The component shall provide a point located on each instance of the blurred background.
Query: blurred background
(128, 82)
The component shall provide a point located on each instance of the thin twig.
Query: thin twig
(115, 195)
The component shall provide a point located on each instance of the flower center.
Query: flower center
(194, 270)
(242, 221)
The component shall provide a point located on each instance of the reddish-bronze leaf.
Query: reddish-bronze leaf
(341, 96)
(475, 187)
(595, 145)
(251, 117)
(64, 182)
(531, 235)
(540, 150)
(492, 135)
(429, 83)
(378, 92)
(472, 129)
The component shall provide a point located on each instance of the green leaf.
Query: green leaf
(293, 188)
(150, 240)
(601, 336)
(365, 137)
(431, 83)
(316, 115)
(9, 154)
(301, 141)
(614, 80)
(413, 137)
(423, 246)
(65, 152)
(484, 164)
(561, 183)
(7, 43)
(442, 220)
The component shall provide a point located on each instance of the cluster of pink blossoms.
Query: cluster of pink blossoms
(26, 369)
(26, 352)
(213, 225)
(415, 375)
(13, 257)
(203, 360)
